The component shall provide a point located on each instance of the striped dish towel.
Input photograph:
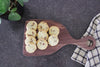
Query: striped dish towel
(90, 58)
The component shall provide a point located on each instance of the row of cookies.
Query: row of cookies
(42, 35)
(30, 41)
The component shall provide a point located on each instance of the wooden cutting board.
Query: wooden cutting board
(64, 39)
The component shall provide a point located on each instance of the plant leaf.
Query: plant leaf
(21, 2)
(25, 0)
(0, 20)
(14, 9)
(4, 5)
(8, 1)
(14, 16)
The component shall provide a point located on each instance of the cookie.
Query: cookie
(31, 25)
(42, 44)
(30, 48)
(42, 35)
(53, 40)
(43, 26)
(30, 33)
(30, 39)
(54, 30)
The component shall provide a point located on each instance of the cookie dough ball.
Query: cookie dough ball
(43, 26)
(42, 35)
(30, 33)
(31, 25)
(53, 40)
(54, 30)
(42, 44)
(30, 48)
(30, 39)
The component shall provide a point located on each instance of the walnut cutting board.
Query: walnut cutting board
(64, 39)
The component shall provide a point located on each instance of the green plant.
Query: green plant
(11, 7)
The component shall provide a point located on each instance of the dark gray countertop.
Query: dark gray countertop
(74, 14)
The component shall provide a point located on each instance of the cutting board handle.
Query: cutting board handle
(85, 42)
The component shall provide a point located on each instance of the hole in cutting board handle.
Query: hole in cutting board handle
(90, 44)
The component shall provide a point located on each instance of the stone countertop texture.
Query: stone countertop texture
(74, 14)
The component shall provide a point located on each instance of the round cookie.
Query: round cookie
(54, 30)
(42, 44)
(30, 39)
(43, 26)
(42, 35)
(30, 48)
(53, 40)
(30, 33)
(31, 25)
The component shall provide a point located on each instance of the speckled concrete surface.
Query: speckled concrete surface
(74, 14)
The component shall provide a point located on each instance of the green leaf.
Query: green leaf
(0, 20)
(4, 5)
(14, 9)
(14, 16)
(25, 0)
(21, 2)
(8, 1)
